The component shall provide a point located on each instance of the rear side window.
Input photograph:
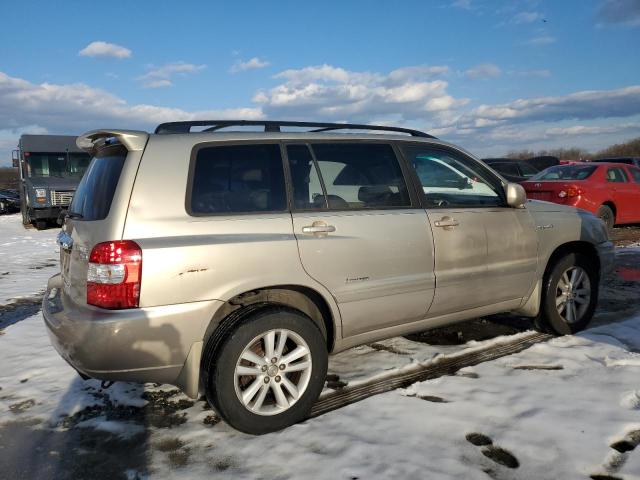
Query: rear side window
(358, 175)
(238, 179)
(616, 175)
(635, 173)
(93, 197)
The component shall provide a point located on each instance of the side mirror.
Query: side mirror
(15, 159)
(516, 195)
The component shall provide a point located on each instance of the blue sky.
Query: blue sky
(490, 75)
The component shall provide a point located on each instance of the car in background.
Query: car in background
(512, 170)
(635, 161)
(609, 190)
(9, 201)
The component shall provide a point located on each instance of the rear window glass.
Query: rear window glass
(94, 194)
(238, 179)
(566, 172)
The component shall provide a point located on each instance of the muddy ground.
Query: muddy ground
(64, 450)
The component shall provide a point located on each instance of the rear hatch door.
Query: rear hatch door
(98, 210)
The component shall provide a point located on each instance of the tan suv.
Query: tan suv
(233, 263)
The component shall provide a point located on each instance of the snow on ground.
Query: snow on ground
(553, 409)
(27, 258)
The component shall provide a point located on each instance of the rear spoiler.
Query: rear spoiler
(133, 140)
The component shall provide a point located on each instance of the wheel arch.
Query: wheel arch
(298, 297)
(578, 246)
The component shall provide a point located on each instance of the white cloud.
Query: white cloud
(622, 12)
(591, 104)
(75, 108)
(251, 64)
(541, 40)
(464, 4)
(483, 71)
(526, 17)
(591, 129)
(158, 77)
(333, 93)
(543, 73)
(105, 49)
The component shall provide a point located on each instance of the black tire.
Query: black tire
(41, 224)
(605, 214)
(550, 320)
(219, 368)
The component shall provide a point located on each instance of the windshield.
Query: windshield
(57, 164)
(566, 172)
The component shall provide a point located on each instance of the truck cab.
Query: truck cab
(51, 167)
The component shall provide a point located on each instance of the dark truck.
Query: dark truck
(51, 167)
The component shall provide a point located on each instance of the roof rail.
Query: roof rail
(274, 126)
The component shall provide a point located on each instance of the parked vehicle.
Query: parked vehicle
(51, 167)
(233, 263)
(512, 170)
(543, 161)
(9, 201)
(609, 190)
(635, 161)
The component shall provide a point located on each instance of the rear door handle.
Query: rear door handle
(447, 223)
(318, 228)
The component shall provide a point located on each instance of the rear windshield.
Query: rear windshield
(94, 194)
(566, 172)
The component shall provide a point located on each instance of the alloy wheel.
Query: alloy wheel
(573, 294)
(273, 372)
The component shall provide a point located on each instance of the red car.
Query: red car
(609, 190)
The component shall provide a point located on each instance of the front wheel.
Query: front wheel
(570, 295)
(268, 372)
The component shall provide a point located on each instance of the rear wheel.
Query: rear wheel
(607, 216)
(41, 224)
(268, 372)
(570, 295)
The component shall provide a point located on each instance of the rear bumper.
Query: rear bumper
(138, 345)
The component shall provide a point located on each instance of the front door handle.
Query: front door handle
(447, 223)
(318, 228)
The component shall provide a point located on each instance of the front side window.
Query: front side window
(360, 175)
(450, 180)
(635, 172)
(616, 175)
(238, 179)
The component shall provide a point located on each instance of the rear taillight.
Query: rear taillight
(114, 275)
(571, 192)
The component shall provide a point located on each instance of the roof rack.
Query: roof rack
(274, 126)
